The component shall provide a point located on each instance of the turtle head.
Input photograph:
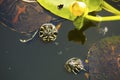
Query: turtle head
(74, 65)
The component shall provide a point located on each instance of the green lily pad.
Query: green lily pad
(61, 8)
(53, 6)
(93, 5)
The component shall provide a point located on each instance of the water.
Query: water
(37, 60)
(45, 61)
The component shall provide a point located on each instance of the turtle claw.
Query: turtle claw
(30, 38)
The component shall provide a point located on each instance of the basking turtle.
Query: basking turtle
(27, 17)
(102, 63)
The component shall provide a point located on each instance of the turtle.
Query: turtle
(28, 18)
(102, 62)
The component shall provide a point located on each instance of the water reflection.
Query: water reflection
(103, 30)
(60, 53)
(37, 60)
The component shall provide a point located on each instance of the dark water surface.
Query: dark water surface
(45, 61)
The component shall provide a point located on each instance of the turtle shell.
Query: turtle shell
(104, 59)
(22, 16)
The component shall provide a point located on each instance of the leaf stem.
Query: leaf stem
(99, 19)
(109, 8)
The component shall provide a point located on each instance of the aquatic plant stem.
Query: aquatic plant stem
(99, 19)
(109, 8)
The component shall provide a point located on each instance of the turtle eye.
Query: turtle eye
(48, 32)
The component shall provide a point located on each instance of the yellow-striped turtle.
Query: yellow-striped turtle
(102, 63)
(27, 17)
